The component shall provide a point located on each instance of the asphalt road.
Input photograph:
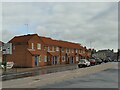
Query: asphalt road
(104, 79)
(95, 76)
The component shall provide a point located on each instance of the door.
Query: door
(53, 60)
(72, 60)
(36, 60)
(56, 60)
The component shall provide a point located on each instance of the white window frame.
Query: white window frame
(69, 50)
(53, 48)
(48, 48)
(77, 58)
(76, 50)
(57, 48)
(39, 58)
(45, 58)
(38, 46)
(72, 50)
(32, 45)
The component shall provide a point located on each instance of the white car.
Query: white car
(83, 62)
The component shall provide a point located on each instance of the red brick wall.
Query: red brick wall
(18, 55)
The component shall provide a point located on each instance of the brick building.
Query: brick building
(32, 50)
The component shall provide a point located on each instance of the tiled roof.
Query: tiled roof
(49, 41)
(24, 38)
(53, 53)
(34, 52)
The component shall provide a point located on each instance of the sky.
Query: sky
(92, 24)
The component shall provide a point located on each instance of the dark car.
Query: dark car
(92, 61)
(98, 61)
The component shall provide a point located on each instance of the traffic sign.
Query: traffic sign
(7, 48)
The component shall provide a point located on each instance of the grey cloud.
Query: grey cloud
(76, 22)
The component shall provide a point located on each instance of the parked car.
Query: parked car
(98, 61)
(106, 60)
(83, 63)
(92, 62)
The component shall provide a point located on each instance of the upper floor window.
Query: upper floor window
(38, 46)
(72, 50)
(62, 49)
(69, 50)
(57, 48)
(53, 48)
(48, 48)
(76, 50)
(44, 48)
(79, 51)
(32, 45)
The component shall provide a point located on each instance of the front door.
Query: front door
(36, 60)
(71, 60)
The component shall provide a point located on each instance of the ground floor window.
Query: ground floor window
(39, 58)
(63, 58)
(77, 59)
(71, 59)
(54, 59)
(45, 58)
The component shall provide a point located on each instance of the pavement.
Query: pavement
(18, 70)
(47, 79)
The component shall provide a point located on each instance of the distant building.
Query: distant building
(104, 54)
(36, 51)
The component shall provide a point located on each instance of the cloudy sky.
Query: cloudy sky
(93, 24)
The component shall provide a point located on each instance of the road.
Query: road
(104, 79)
(52, 78)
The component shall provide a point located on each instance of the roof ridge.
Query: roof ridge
(26, 35)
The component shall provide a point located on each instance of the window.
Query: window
(72, 50)
(48, 58)
(39, 58)
(63, 58)
(53, 48)
(44, 48)
(62, 50)
(45, 58)
(38, 46)
(69, 50)
(32, 45)
(57, 48)
(77, 58)
(80, 51)
(48, 48)
(76, 50)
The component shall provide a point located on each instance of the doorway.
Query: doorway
(36, 60)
